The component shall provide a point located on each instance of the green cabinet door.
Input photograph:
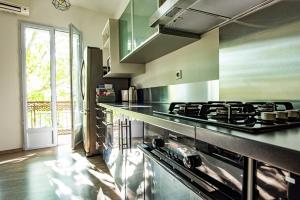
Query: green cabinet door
(142, 11)
(125, 32)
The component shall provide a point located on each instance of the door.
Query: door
(141, 29)
(38, 81)
(77, 77)
(160, 184)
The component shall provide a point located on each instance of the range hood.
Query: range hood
(160, 43)
(200, 16)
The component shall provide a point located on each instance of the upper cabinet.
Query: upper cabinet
(125, 34)
(111, 53)
(141, 43)
(134, 25)
(142, 11)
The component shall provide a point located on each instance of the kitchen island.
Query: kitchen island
(279, 148)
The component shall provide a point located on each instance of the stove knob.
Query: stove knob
(158, 143)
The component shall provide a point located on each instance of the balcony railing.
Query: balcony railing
(39, 115)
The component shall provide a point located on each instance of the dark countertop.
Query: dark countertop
(280, 148)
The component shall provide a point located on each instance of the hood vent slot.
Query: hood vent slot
(173, 12)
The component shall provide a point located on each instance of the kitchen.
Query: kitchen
(210, 104)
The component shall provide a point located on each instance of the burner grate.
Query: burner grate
(245, 116)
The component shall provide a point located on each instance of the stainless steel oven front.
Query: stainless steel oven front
(212, 172)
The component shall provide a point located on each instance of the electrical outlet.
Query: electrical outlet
(179, 74)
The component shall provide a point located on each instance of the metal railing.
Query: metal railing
(39, 115)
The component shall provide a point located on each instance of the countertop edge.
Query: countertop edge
(254, 149)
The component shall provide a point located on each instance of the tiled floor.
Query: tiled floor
(55, 173)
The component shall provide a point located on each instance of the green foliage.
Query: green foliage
(39, 71)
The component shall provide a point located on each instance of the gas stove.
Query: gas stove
(251, 117)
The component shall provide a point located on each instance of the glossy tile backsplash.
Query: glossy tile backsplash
(259, 57)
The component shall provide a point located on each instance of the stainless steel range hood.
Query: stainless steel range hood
(200, 16)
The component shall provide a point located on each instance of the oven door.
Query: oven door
(161, 182)
(222, 169)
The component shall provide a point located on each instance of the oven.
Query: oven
(212, 172)
(275, 183)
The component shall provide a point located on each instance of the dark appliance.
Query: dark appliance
(209, 171)
(244, 116)
(89, 79)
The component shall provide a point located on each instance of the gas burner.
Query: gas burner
(271, 106)
(246, 116)
(232, 113)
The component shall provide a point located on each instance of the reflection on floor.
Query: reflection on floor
(55, 173)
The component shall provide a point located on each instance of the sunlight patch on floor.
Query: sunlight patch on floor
(102, 196)
(62, 190)
(103, 177)
(82, 180)
(17, 160)
(62, 166)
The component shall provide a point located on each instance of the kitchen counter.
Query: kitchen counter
(280, 148)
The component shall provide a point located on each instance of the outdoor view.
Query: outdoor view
(38, 80)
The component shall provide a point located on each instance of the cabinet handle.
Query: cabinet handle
(125, 137)
(119, 133)
(122, 140)
(129, 134)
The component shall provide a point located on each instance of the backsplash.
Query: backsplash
(258, 61)
(188, 92)
(259, 57)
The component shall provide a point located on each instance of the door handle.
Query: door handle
(81, 85)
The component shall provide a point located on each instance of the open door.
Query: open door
(77, 69)
(38, 86)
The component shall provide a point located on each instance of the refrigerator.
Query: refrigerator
(86, 74)
(90, 77)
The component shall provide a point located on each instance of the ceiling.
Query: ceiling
(105, 6)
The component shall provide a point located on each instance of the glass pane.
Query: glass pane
(125, 28)
(76, 78)
(63, 89)
(38, 78)
(142, 11)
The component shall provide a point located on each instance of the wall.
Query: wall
(91, 23)
(259, 58)
(198, 61)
